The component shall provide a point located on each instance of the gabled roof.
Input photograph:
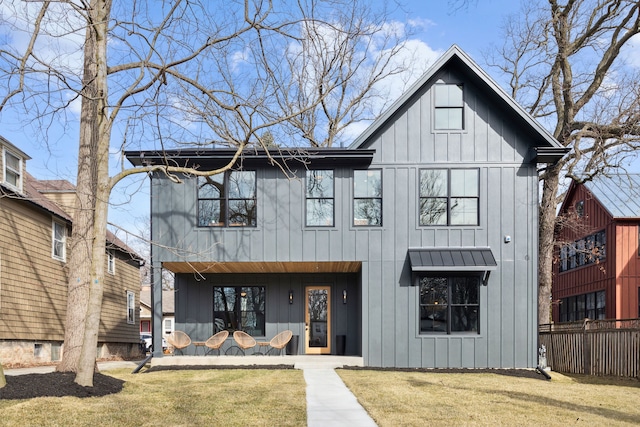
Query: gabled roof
(619, 194)
(547, 147)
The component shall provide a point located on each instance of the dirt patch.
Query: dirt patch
(57, 384)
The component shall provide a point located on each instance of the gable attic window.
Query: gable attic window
(12, 170)
(58, 240)
(227, 200)
(449, 107)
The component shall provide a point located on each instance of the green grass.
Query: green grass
(438, 399)
(233, 397)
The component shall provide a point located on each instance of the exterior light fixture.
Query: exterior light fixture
(344, 296)
(290, 297)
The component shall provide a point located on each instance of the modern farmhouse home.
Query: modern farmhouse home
(416, 246)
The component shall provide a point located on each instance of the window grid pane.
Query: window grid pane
(449, 304)
(367, 203)
(227, 199)
(320, 202)
(449, 197)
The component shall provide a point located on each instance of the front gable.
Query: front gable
(494, 127)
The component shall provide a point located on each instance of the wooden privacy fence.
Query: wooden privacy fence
(593, 347)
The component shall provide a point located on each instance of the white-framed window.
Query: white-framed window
(131, 307)
(58, 240)
(111, 262)
(168, 326)
(12, 169)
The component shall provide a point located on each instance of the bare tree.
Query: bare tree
(568, 63)
(182, 72)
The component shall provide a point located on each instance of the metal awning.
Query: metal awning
(452, 259)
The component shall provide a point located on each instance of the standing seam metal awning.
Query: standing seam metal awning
(452, 259)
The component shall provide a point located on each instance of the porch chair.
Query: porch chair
(280, 341)
(179, 340)
(244, 340)
(216, 341)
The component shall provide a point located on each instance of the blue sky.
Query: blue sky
(437, 26)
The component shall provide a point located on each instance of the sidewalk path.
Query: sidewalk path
(330, 403)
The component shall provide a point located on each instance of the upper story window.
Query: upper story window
(59, 241)
(367, 197)
(449, 107)
(227, 200)
(12, 170)
(111, 262)
(588, 250)
(579, 207)
(131, 307)
(449, 304)
(320, 201)
(449, 196)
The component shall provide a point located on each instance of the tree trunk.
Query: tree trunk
(87, 257)
(547, 219)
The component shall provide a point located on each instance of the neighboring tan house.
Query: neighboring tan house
(36, 218)
(168, 317)
(416, 246)
(597, 275)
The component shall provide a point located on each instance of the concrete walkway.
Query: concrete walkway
(330, 403)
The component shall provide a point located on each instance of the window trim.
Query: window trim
(131, 307)
(355, 198)
(448, 107)
(5, 168)
(63, 241)
(111, 262)
(449, 197)
(332, 198)
(225, 197)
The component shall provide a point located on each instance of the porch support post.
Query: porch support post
(156, 304)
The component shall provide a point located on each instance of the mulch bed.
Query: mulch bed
(57, 384)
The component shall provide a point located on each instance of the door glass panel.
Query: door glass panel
(317, 300)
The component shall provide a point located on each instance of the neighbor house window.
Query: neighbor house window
(579, 207)
(227, 199)
(449, 107)
(591, 305)
(590, 249)
(12, 171)
(449, 196)
(111, 262)
(131, 307)
(449, 304)
(320, 202)
(59, 241)
(367, 197)
(239, 308)
(168, 326)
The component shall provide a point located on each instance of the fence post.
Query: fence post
(586, 348)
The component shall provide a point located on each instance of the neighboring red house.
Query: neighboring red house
(597, 275)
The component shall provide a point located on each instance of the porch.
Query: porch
(297, 361)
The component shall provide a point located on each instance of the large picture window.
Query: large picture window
(588, 250)
(579, 307)
(449, 196)
(367, 197)
(227, 200)
(449, 304)
(320, 201)
(239, 308)
(449, 107)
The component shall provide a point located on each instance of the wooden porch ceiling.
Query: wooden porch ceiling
(264, 267)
